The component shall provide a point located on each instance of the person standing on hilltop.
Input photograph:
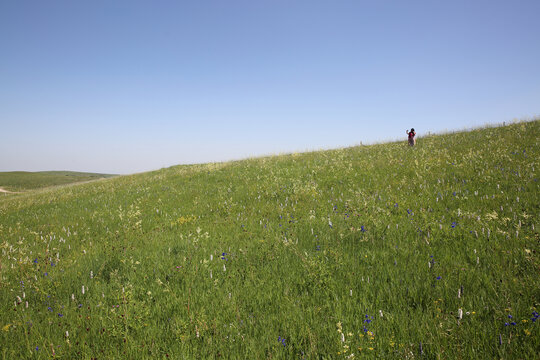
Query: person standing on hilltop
(412, 134)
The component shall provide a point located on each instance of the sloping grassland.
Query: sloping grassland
(380, 251)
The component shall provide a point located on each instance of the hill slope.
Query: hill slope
(24, 180)
(380, 251)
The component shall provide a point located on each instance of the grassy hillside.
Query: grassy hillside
(380, 251)
(23, 180)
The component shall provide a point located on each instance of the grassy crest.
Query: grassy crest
(380, 251)
(23, 180)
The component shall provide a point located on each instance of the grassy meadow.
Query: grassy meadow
(380, 251)
(24, 180)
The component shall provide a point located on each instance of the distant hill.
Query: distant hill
(24, 180)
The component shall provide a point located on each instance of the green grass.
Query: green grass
(23, 180)
(224, 261)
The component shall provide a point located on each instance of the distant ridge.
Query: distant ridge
(16, 181)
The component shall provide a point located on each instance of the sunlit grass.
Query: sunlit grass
(380, 251)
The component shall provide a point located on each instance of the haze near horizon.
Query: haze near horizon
(132, 86)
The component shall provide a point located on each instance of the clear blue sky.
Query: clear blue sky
(129, 86)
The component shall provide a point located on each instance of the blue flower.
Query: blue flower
(37, 348)
(509, 316)
(49, 308)
(35, 261)
(362, 228)
(505, 324)
(318, 247)
(438, 278)
(454, 224)
(60, 315)
(512, 323)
